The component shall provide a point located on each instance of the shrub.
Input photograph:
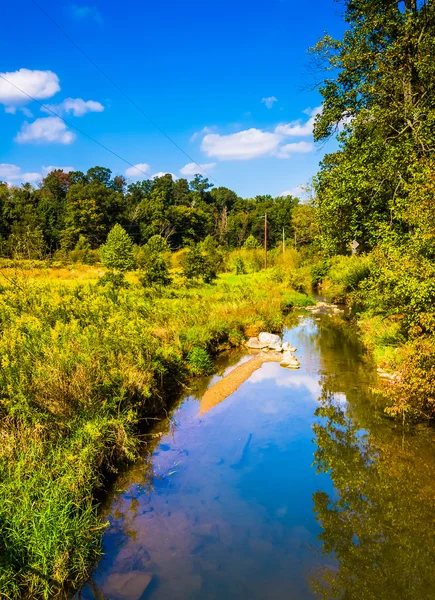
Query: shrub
(117, 254)
(345, 275)
(239, 265)
(300, 280)
(114, 280)
(320, 271)
(199, 362)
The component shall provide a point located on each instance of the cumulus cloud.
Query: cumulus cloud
(38, 84)
(45, 130)
(298, 128)
(191, 169)
(85, 13)
(296, 148)
(269, 101)
(138, 170)
(12, 174)
(49, 169)
(74, 106)
(244, 145)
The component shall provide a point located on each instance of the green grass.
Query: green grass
(80, 365)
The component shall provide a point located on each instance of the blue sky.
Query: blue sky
(227, 80)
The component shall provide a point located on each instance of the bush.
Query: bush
(239, 265)
(345, 275)
(300, 280)
(320, 271)
(114, 280)
(253, 260)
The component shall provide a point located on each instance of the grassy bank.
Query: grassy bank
(82, 366)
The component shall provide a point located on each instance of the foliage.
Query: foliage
(117, 253)
(251, 243)
(319, 271)
(199, 265)
(379, 94)
(345, 275)
(239, 266)
(154, 261)
(68, 206)
(199, 362)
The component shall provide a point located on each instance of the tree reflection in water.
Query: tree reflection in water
(380, 524)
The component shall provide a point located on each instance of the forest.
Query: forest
(75, 211)
(114, 294)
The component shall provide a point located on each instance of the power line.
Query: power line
(47, 108)
(121, 91)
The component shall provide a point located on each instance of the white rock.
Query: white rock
(269, 338)
(287, 347)
(277, 348)
(256, 344)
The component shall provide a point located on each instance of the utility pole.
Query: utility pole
(265, 241)
(283, 240)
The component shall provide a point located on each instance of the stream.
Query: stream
(295, 487)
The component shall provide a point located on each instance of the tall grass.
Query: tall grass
(80, 365)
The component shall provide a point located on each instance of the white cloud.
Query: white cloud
(49, 169)
(297, 128)
(203, 131)
(297, 192)
(138, 170)
(45, 130)
(38, 84)
(13, 174)
(191, 169)
(295, 148)
(244, 145)
(269, 101)
(85, 13)
(74, 106)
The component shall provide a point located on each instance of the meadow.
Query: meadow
(84, 370)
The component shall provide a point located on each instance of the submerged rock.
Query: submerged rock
(127, 586)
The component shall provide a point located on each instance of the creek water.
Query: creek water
(295, 487)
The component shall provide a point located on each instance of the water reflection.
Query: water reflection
(379, 521)
(222, 504)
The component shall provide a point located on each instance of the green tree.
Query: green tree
(251, 243)
(117, 253)
(155, 262)
(379, 95)
(198, 265)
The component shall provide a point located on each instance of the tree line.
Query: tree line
(76, 210)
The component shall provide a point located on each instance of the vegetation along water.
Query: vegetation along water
(118, 300)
